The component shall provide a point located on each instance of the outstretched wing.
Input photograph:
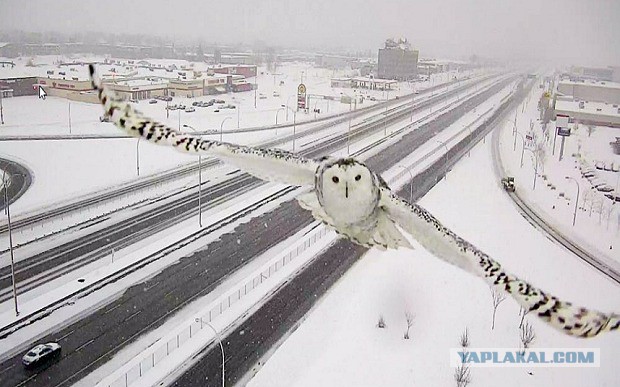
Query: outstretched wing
(267, 164)
(445, 244)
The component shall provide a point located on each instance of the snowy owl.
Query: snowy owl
(356, 202)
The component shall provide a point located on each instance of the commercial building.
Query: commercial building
(398, 61)
(589, 113)
(247, 71)
(594, 91)
(17, 87)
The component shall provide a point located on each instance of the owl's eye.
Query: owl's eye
(335, 179)
(358, 177)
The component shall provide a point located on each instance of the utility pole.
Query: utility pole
(1, 110)
(8, 214)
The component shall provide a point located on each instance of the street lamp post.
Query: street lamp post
(1, 109)
(289, 97)
(219, 340)
(410, 183)
(138, 156)
(222, 127)
(577, 200)
(535, 167)
(522, 149)
(447, 151)
(349, 133)
(199, 182)
(278, 111)
(8, 215)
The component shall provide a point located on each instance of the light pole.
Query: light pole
(222, 127)
(289, 97)
(294, 124)
(1, 109)
(138, 156)
(8, 215)
(278, 111)
(219, 340)
(69, 117)
(535, 167)
(349, 133)
(199, 182)
(387, 98)
(522, 149)
(577, 200)
(447, 150)
(410, 183)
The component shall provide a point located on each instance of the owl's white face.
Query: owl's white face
(348, 191)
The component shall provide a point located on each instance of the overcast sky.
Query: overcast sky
(581, 32)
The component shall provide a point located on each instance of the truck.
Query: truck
(509, 183)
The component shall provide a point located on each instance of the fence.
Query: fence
(153, 357)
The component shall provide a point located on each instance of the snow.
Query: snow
(339, 343)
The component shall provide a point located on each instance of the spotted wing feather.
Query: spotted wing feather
(267, 164)
(445, 244)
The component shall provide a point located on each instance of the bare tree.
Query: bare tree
(381, 323)
(462, 376)
(527, 336)
(409, 317)
(522, 313)
(498, 297)
(464, 340)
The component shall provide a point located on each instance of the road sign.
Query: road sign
(301, 96)
(564, 132)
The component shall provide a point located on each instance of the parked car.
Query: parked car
(196, 103)
(153, 101)
(167, 98)
(219, 101)
(181, 107)
(41, 354)
(604, 188)
(276, 94)
(104, 118)
(171, 107)
(588, 174)
(262, 96)
(216, 111)
(615, 167)
(190, 109)
(230, 106)
(599, 165)
(607, 167)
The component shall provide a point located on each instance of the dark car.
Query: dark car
(153, 101)
(40, 354)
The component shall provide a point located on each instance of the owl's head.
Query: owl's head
(347, 185)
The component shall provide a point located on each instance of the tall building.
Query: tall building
(398, 61)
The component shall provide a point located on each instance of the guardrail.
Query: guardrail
(171, 343)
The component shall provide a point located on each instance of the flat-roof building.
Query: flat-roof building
(398, 61)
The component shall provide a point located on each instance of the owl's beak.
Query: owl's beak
(346, 190)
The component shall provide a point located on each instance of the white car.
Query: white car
(190, 109)
(41, 353)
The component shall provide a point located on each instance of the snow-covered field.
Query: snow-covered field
(339, 343)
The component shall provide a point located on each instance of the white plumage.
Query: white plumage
(357, 203)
